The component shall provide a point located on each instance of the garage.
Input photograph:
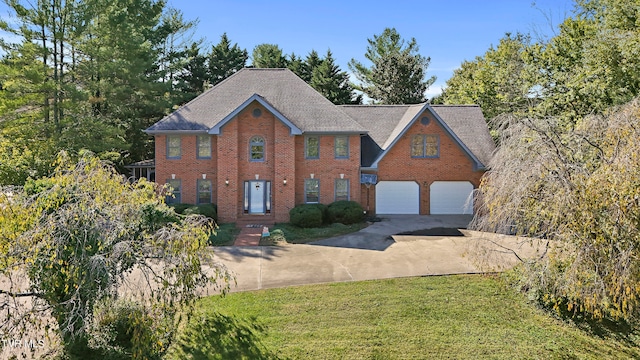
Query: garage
(451, 197)
(397, 197)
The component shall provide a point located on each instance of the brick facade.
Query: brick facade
(284, 159)
(453, 163)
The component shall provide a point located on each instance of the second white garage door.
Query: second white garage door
(397, 197)
(451, 197)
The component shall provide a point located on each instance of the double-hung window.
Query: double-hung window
(341, 147)
(175, 195)
(174, 147)
(204, 191)
(342, 189)
(203, 143)
(312, 147)
(312, 191)
(425, 146)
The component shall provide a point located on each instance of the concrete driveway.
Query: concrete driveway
(376, 253)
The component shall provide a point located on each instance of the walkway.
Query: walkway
(249, 236)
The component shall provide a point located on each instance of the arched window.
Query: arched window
(256, 148)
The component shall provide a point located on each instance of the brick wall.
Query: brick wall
(327, 168)
(453, 164)
(284, 159)
(188, 168)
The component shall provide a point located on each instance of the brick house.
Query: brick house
(263, 141)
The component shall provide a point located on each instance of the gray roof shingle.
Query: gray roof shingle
(309, 111)
(386, 122)
(302, 105)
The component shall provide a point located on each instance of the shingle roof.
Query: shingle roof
(298, 102)
(305, 110)
(469, 124)
(386, 122)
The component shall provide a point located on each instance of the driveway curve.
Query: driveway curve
(376, 252)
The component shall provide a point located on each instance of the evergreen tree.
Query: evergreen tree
(330, 81)
(268, 56)
(225, 60)
(195, 73)
(397, 74)
(298, 66)
(85, 75)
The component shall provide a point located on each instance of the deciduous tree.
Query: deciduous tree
(85, 236)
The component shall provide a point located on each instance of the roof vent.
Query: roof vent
(257, 112)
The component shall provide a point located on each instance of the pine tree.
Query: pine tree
(225, 60)
(330, 81)
(397, 74)
(268, 56)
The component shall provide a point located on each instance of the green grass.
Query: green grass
(297, 235)
(225, 235)
(449, 317)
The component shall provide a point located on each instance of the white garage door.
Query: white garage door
(451, 197)
(397, 197)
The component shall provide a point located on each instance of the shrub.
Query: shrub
(306, 216)
(345, 212)
(180, 208)
(208, 210)
(324, 210)
(124, 329)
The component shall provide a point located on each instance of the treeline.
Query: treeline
(92, 74)
(590, 65)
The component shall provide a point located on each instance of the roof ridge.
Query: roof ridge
(454, 105)
(263, 69)
(382, 105)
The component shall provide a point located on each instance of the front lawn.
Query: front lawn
(459, 317)
(296, 235)
(225, 235)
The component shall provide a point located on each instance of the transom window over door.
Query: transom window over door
(256, 148)
(425, 146)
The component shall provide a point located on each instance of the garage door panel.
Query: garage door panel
(397, 197)
(451, 197)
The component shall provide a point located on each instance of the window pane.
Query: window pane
(256, 148)
(342, 189)
(312, 190)
(342, 147)
(417, 146)
(173, 146)
(257, 152)
(175, 189)
(312, 147)
(431, 148)
(204, 146)
(204, 191)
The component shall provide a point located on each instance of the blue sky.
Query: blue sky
(447, 31)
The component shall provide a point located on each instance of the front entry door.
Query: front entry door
(256, 197)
